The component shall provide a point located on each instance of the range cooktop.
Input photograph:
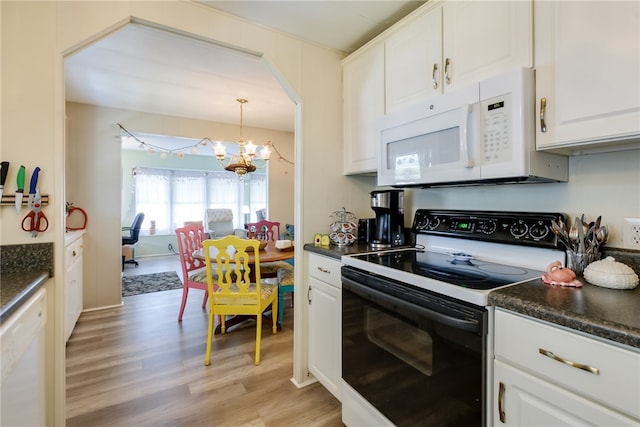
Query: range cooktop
(456, 269)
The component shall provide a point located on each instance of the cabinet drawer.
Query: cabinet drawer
(563, 357)
(325, 269)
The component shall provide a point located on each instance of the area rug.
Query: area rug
(146, 283)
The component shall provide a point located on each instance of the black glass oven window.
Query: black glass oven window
(415, 371)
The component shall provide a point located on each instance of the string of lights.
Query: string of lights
(193, 148)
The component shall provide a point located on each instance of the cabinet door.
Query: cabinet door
(363, 85)
(325, 332)
(524, 400)
(72, 286)
(587, 68)
(413, 61)
(484, 38)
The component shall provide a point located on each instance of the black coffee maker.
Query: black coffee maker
(389, 208)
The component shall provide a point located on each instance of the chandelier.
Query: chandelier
(241, 164)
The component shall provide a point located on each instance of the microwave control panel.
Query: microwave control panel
(496, 123)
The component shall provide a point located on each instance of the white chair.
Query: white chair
(219, 223)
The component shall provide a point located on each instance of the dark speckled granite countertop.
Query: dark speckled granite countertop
(612, 314)
(23, 270)
(337, 251)
(17, 288)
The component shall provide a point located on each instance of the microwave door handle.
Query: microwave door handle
(465, 158)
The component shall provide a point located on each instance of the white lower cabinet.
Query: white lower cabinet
(545, 375)
(526, 400)
(325, 322)
(72, 282)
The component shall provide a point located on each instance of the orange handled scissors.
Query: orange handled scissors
(35, 221)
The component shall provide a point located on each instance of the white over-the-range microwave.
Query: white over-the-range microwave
(483, 133)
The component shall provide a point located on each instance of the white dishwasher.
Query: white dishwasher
(22, 402)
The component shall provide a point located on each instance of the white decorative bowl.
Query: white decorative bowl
(610, 273)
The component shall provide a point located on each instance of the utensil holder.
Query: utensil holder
(578, 261)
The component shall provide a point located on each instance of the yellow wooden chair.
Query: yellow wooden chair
(234, 285)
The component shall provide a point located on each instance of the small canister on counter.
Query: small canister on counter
(366, 230)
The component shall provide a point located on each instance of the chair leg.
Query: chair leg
(274, 317)
(258, 336)
(185, 292)
(207, 357)
(280, 307)
(204, 300)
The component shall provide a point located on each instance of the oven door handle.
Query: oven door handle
(386, 300)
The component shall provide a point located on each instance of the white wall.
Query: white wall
(605, 184)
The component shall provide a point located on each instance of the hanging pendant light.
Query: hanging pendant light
(241, 164)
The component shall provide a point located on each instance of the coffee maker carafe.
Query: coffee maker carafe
(388, 206)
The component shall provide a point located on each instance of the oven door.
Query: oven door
(417, 357)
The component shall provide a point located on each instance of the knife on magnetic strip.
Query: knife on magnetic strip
(4, 170)
(32, 187)
(20, 190)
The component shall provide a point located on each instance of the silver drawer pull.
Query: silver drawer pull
(594, 371)
(322, 270)
(543, 112)
(435, 76)
(501, 413)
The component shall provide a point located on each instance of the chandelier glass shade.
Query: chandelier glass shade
(243, 163)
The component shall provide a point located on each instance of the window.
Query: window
(170, 197)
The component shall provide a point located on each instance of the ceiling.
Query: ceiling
(141, 68)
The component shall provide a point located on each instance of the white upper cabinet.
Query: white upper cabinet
(413, 56)
(587, 73)
(363, 105)
(452, 44)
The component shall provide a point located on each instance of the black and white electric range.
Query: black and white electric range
(414, 320)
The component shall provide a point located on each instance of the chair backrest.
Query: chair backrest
(233, 271)
(136, 225)
(265, 230)
(190, 239)
(219, 222)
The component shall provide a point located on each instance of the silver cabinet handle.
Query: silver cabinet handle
(550, 354)
(543, 110)
(309, 295)
(435, 77)
(322, 270)
(447, 75)
(501, 413)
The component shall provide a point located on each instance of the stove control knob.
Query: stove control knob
(538, 231)
(487, 227)
(434, 223)
(519, 228)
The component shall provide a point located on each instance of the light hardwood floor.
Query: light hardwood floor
(136, 365)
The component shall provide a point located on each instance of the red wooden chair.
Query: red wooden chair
(194, 273)
(264, 230)
(267, 230)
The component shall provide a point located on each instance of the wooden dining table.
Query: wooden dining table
(268, 254)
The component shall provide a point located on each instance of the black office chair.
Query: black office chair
(132, 238)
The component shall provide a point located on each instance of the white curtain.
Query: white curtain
(172, 197)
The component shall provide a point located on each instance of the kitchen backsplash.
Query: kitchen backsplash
(27, 257)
